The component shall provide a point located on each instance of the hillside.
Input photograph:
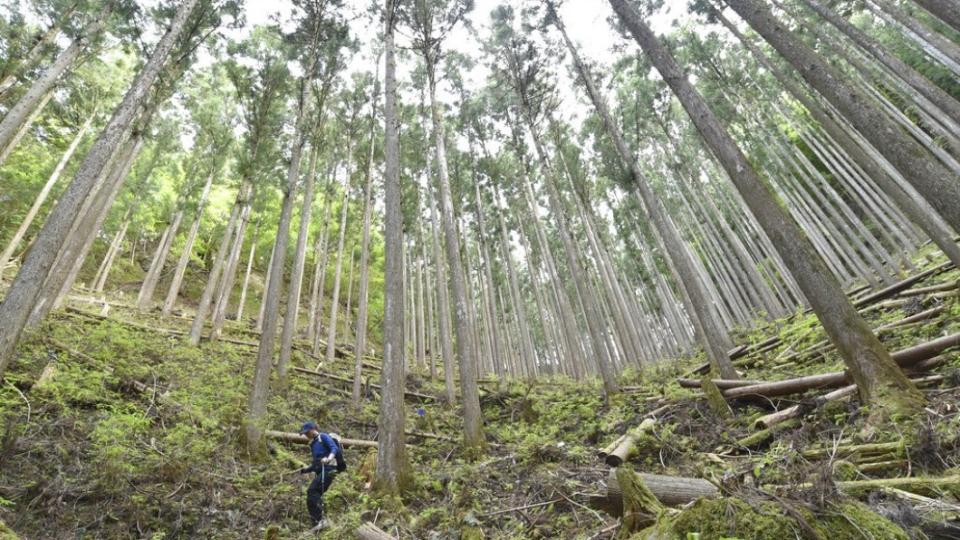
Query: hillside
(115, 428)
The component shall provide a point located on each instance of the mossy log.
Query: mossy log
(904, 358)
(756, 439)
(369, 531)
(715, 400)
(640, 506)
(851, 449)
(629, 441)
(919, 484)
(723, 384)
(668, 490)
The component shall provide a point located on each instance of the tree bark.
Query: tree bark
(42, 196)
(472, 416)
(931, 178)
(241, 304)
(714, 339)
(257, 402)
(338, 267)
(181, 268)
(152, 279)
(393, 467)
(27, 286)
(20, 112)
(947, 11)
(296, 275)
(881, 382)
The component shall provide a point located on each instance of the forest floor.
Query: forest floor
(116, 428)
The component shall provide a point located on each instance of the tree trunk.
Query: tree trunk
(257, 403)
(27, 286)
(24, 127)
(947, 11)
(472, 416)
(393, 467)
(881, 382)
(932, 179)
(152, 279)
(225, 289)
(246, 276)
(42, 196)
(104, 272)
(338, 268)
(296, 275)
(916, 208)
(361, 342)
(33, 55)
(213, 280)
(25, 107)
(175, 284)
(693, 292)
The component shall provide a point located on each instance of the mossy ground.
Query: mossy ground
(84, 453)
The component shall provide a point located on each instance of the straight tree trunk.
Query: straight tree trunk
(104, 272)
(152, 279)
(932, 179)
(42, 196)
(263, 304)
(711, 335)
(225, 290)
(25, 127)
(246, 276)
(257, 402)
(446, 339)
(338, 268)
(25, 107)
(881, 383)
(174, 291)
(216, 270)
(23, 293)
(472, 416)
(947, 11)
(296, 275)
(916, 208)
(393, 467)
(363, 293)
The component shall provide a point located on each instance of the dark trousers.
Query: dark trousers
(319, 486)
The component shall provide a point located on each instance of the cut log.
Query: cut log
(369, 531)
(921, 485)
(903, 285)
(622, 451)
(904, 358)
(605, 451)
(756, 439)
(795, 411)
(302, 439)
(723, 384)
(669, 490)
(923, 291)
(895, 447)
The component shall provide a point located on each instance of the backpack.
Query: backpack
(341, 462)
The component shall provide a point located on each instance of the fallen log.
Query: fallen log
(302, 439)
(333, 377)
(902, 285)
(756, 439)
(917, 484)
(723, 384)
(605, 451)
(794, 411)
(669, 490)
(628, 442)
(904, 358)
(895, 447)
(369, 531)
(923, 291)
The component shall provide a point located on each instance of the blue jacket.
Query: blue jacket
(322, 446)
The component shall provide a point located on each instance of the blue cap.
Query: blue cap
(307, 427)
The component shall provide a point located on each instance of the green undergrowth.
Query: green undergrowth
(113, 431)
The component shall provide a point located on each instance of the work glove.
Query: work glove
(329, 459)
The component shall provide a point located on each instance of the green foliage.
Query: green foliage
(115, 442)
